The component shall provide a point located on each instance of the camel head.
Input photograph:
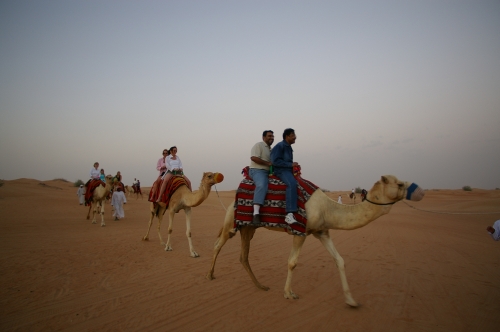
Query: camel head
(109, 179)
(212, 178)
(390, 190)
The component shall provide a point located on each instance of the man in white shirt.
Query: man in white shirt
(495, 230)
(260, 157)
(117, 202)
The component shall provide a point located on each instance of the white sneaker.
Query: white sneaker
(290, 219)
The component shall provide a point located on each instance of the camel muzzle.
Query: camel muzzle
(219, 177)
(414, 192)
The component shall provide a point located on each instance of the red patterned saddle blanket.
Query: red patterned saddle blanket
(173, 184)
(89, 192)
(272, 214)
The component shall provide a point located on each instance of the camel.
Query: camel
(323, 214)
(183, 199)
(129, 190)
(352, 196)
(98, 198)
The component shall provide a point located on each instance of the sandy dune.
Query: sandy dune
(410, 270)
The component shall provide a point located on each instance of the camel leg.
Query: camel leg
(246, 236)
(94, 211)
(160, 218)
(224, 235)
(146, 237)
(102, 214)
(194, 254)
(171, 214)
(298, 241)
(90, 208)
(325, 239)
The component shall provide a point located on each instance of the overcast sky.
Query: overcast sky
(409, 88)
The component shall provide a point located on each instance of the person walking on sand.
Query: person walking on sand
(81, 194)
(260, 157)
(117, 202)
(283, 164)
(494, 230)
(340, 199)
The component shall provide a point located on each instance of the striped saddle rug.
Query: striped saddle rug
(90, 187)
(173, 184)
(272, 214)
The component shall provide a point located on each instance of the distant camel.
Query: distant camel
(323, 214)
(98, 198)
(352, 196)
(183, 199)
(133, 190)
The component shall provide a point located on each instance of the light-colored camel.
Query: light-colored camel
(183, 199)
(129, 190)
(323, 214)
(98, 198)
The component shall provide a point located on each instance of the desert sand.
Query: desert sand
(410, 270)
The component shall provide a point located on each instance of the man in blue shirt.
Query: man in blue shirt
(282, 161)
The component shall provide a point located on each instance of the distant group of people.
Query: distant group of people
(117, 194)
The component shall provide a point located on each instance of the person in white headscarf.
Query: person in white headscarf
(117, 202)
(340, 199)
(81, 194)
(494, 230)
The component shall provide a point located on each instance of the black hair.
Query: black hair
(287, 132)
(168, 151)
(173, 147)
(267, 131)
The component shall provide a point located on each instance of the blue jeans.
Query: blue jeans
(261, 179)
(286, 176)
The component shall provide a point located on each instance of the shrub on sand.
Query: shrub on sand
(467, 188)
(78, 183)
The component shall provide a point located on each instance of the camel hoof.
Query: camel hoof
(194, 254)
(352, 303)
(168, 249)
(145, 238)
(291, 295)
(210, 276)
(103, 225)
(94, 222)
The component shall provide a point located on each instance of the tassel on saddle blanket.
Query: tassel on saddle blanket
(89, 192)
(272, 214)
(173, 184)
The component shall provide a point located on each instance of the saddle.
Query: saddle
(272, 213)
(172, 185)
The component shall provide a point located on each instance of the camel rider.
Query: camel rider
(94, 173)
(283, 164)
(260, 157)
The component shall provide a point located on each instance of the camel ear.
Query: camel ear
(384, 179)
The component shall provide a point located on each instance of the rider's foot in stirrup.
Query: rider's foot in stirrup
(290, 219)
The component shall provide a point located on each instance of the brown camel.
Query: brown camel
(183, 199)
(98, 198)
(352, 196)
(323, 214)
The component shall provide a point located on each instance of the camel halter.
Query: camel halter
(366, 199)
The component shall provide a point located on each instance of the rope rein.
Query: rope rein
(444, 212)
(215, 186)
